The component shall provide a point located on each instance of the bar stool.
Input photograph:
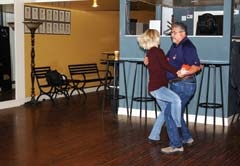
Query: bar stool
(207, 104)
(114, 87)
(143, 98)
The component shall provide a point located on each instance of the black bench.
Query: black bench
(45, 88)
(81, 74)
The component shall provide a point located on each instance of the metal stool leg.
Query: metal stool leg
(222, 102)
(155, 105)
(133, 90)
(141, 91)
(199, 95)
(209, 72)
(214, 95)
(125, 86)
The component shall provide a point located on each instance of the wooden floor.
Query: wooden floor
(71, 133)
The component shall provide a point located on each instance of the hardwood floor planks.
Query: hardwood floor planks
(74, 133)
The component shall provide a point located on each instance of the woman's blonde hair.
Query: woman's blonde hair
(149, 39)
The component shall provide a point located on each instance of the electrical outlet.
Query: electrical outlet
(189, 16)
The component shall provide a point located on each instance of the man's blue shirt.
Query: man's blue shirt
(183, 53)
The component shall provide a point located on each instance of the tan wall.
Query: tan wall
(91, 34)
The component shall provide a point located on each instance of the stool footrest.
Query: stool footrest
(144, 99)
(210, 105)
(113, 87)
(118, 97)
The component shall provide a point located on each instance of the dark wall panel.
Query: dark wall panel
(5, 59)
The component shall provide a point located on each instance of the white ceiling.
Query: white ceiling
(113, 5)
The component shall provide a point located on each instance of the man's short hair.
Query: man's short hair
(180, 25)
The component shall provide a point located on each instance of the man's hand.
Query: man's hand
(146, 61)
(182, 73)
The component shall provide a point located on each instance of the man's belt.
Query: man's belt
(181, 79)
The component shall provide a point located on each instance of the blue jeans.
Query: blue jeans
(185, 89)
(165, 97)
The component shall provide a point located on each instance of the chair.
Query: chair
(47, 89)
(43, 86)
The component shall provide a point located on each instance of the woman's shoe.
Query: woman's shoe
(154, 142)
(189, 142)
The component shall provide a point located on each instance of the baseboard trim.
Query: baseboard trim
(191, 118)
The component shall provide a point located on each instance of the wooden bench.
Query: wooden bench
(81, 74)
(45, 88)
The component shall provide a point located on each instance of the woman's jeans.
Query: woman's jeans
(165, 98)
(185, 89)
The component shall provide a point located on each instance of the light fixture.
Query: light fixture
(32, 26)
(94, 3)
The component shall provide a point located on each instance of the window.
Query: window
(138, 17)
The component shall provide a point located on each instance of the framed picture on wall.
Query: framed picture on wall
(34, 13)
(61, 28)
(37, 31)
(42, 28)
(61, 16)
(26, 30)
(67, 29)
(49, 14)
(42, 14)
(49, 27)
(67, 16)
(27, 12)
(55, 28)
(55, 15)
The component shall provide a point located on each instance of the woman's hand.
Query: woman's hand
(146, 61)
